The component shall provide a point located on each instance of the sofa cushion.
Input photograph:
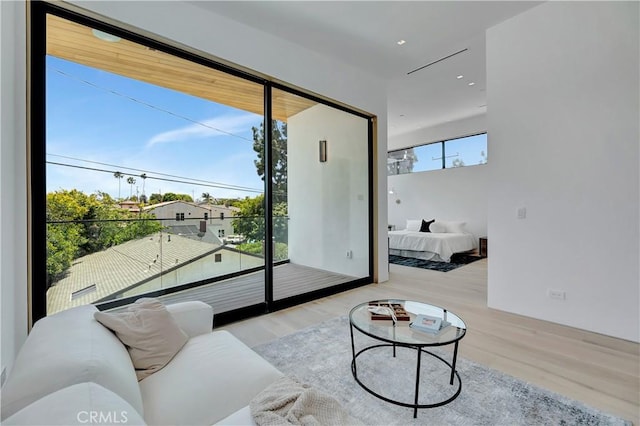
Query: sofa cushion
(149, 332)
(242, 417)
(79, 404)
(64, 349)
(213, 376)
(194, 317)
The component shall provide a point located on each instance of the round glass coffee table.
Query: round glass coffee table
(438, 327)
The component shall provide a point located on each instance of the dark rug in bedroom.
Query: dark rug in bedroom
(457, 260)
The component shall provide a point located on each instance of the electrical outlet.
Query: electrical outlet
(522, 213)
(556, 294)
(349, 254)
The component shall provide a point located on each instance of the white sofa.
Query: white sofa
(72, 370)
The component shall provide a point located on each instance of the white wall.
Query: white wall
(451, 194)
(13, 213)
(328, 202)
(189, 26)
(562, 86)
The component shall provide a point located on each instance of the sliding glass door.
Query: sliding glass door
(149, 171)
(159, 173)
(320, 195)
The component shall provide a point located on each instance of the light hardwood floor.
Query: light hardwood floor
(600, 371)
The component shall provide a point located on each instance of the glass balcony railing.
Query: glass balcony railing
(95, 261)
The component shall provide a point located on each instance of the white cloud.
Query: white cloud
(233, 124)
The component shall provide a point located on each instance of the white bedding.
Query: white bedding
(442, 244)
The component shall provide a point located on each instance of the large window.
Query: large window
(157, 173)
(460, 152)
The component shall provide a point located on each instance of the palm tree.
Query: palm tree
(207, 197)
(131, 181)
(118, 176)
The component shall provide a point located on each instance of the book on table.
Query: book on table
(398, 309)
(428, 323)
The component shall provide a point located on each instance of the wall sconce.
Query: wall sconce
(392, 191)
(323, 151)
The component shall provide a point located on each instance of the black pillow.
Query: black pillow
(425, 225)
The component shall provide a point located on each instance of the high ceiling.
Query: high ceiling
(365, 35)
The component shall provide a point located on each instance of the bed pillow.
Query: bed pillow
(451, 227)
(456, 227)
(149, 332)
(414, 224)
(425, 225)
(437, 227)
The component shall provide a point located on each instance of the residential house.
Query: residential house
(190, 219)
(150, 263)
(132, 206)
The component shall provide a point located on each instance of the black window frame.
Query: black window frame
(443, 156)
(38, 10)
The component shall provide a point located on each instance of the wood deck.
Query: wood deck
(289, 280)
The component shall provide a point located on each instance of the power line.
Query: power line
(199, 123)
(220, 186)
(193, 180)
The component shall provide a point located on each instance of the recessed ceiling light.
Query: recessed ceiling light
(105, 36)
(401, 42)
(459, 77)
(471, 84)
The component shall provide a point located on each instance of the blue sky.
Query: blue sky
(90, 122)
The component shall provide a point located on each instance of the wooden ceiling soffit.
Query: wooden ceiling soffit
(74, 42)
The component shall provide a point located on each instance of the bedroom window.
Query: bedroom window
(447, 154)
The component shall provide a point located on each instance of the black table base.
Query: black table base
(419, 350)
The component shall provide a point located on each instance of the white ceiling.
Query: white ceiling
(365, 35)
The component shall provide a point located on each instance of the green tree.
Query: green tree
(155, 198)
(483, 157)
(401, 161)
(170, 196)
(131, 180)
(278, 158)
(281, 250)
(250, 222)
(207, 198)
(119, 176)
(229, 202)
(457, 163)
(80, 224)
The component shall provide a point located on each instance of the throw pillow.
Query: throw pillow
(149, 332)
(425, 225)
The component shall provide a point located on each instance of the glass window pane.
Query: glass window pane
(152, 173)
(320, 195)
(428, 157)
(468, 151)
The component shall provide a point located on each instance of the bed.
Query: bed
(438, 244)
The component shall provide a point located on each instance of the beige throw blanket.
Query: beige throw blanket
(289, 402)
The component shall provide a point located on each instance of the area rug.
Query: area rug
(321, 356)
(457, 260)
